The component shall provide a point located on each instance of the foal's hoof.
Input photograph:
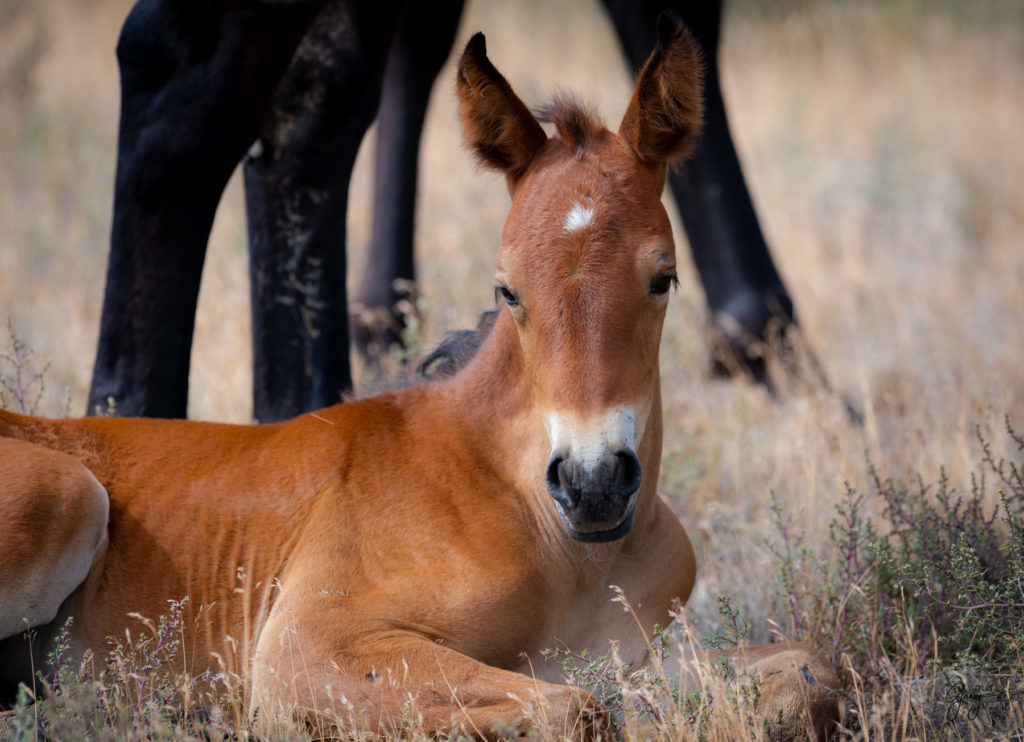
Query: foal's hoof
(577, 715)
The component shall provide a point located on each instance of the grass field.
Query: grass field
(882, 143)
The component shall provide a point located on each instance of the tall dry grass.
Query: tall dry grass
(882, 144)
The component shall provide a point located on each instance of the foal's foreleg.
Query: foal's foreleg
(376, 686)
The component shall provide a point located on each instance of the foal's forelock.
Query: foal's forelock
(574, 123)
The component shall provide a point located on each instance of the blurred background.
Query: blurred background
(883, 143)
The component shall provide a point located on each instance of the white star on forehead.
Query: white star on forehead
(578, 217)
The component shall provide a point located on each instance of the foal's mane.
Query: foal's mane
(456, 350)
(451, 355)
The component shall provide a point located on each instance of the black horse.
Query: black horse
(292, 86)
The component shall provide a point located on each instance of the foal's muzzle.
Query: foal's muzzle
(595, 499)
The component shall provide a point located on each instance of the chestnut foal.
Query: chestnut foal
(424, 546)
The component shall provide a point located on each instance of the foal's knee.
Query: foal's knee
(53, 525)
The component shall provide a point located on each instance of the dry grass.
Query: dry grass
(882, 145)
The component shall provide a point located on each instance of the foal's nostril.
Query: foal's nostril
(627, 473)
(559, 482)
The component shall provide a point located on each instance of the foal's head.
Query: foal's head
(586, 265)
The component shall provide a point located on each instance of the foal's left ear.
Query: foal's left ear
(497, 125)
(663, 120)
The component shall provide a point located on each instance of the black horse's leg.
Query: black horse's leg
(422, 42)
(196, 83)
(296, 182)
(748, 302)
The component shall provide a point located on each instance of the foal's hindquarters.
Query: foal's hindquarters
(53, 528)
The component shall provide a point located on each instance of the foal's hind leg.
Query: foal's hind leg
(53, 527)
(798, 687)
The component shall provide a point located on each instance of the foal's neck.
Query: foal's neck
(494, 399)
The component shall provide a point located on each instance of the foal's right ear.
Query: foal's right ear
(497, 125)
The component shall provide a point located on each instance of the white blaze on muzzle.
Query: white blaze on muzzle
(591, 439)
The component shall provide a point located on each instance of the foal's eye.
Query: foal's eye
(505, 293)
(661, 284)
